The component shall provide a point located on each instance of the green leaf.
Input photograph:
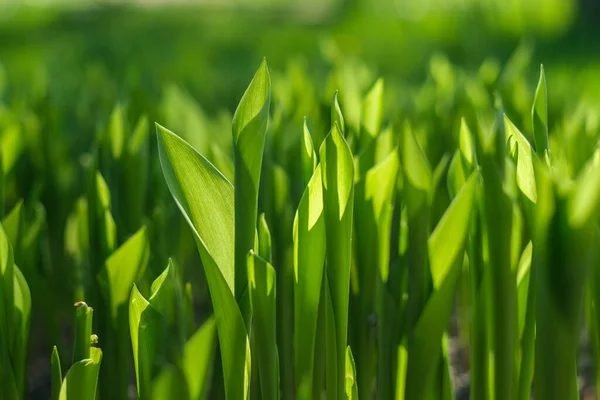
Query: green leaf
(416, 166)
(372, 111)
(203, 195)
(249, 132)
(539, 116)
(13, 224)
(264, 239)
(171, 383)
(336, 113)
(585, 199)
(55, 374)
(456, 175)
(116, 132)
(261, 284)
(135, 172)
(337, 167)
(145, 326)
(524, 156)
(165, 291)
(309, 259)
(446, 249)
(307, 155)
(123, 267)
(446, 243)
(21, 321)
(351, 388)
(466, 146)
(380, 185)
(83, 331)
(205, 199)
(12, 145)
(82, 378)
(198, 355)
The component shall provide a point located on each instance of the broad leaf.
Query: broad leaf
(205, 198)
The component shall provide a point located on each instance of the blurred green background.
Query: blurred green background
(65, 64)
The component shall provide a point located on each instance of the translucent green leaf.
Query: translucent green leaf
(198, 355)
(465, 145)
(145, 325)
(337, 168)
(416, 166)
(14, 225)
(456, 175)
(539, 116)
(82, 378)
(205, 198)
(585, 199)
(12, 145)
(380, 185)
(308, 155)
(165, 291)
(264, 239)
(261, 285)
(351, 388)
(123, 267)
(116, 132)
(170, 384)
(446, 250)
(336, 113)
(209, 212)
(249, 132)
(524, 155)
(372, 109)
(309, 259)
(446, 243)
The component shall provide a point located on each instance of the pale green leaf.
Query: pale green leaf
(539, 116)
(205, 199)
(81, 380)
(524, 156)
(198, 355)
(446, 243)
(351, 388)
(372, 109)
(122, 268)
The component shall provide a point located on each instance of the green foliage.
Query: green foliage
(360, 243)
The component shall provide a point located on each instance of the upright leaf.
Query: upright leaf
(249, 132)
(261, 284)
(336, 113)
(123, 268)
(309, 259)
(198, 355)
(337, 168)
(206, 200)
(307, 155)
(539, 117)
(446, 249)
